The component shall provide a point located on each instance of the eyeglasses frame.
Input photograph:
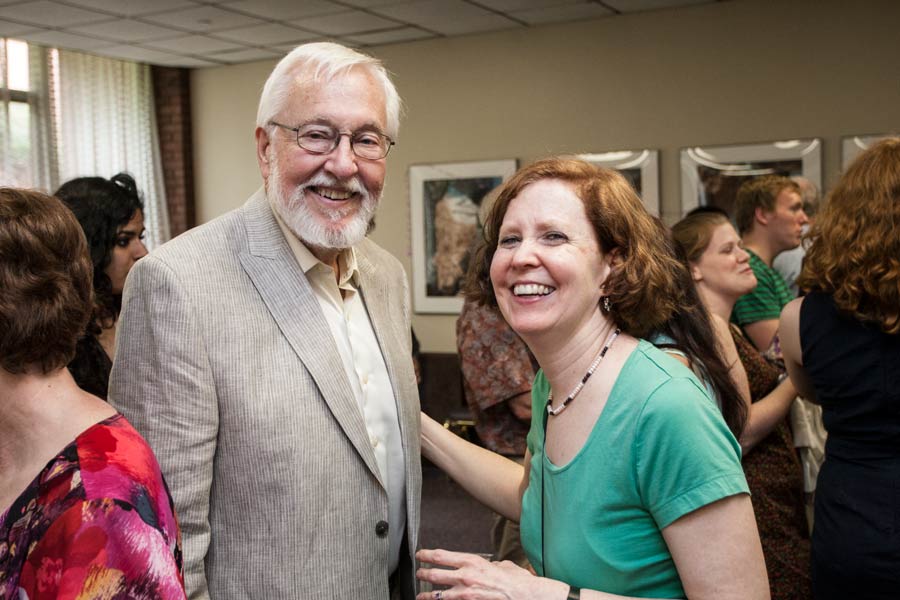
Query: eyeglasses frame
(337, 141)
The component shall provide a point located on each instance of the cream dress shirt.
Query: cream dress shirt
(366, 371)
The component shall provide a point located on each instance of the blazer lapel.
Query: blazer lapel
(287, 294)
(384, 316)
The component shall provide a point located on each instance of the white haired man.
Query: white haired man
(266, 357)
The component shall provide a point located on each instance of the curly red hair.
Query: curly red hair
(642, 286)
(855, 251)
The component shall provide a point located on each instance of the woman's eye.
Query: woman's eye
(508, 241)
(555, 236)
(123, 242)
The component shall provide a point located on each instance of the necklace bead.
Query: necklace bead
(555, 411)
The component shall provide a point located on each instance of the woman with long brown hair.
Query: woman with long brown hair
(721, 273)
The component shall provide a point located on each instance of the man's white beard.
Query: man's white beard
(307, 224)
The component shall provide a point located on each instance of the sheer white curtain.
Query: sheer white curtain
(106, 123)
(26, 136)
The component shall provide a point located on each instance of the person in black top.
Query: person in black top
(841, 346)
(111, 214)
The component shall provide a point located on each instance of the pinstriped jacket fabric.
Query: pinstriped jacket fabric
(224, 362)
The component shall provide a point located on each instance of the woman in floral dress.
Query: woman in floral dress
(84, 510)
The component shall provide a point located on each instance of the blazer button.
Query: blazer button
(381, 528)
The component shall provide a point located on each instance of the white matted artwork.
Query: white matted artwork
(711, 175)
(445, 206)
(853, 145)
(640, 168)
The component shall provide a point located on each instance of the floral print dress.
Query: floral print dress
(776, 487)
(97, 522)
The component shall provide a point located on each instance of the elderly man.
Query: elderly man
(266, 357)
(769, 217)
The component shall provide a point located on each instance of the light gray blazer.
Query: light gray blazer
(225, 363)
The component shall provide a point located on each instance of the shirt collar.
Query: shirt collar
(347, 263)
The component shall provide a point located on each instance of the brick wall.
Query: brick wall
(172, 94)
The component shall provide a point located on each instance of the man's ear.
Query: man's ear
(762, 215)
(262, 152)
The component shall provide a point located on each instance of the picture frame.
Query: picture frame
(853, 145)
(711, 175)
(639, 167)
(445, 202)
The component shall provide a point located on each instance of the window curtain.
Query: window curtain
(106, 123)
(38, 169)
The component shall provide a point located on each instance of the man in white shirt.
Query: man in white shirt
(266, 357)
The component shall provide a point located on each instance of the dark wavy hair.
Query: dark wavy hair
(45, 282)
(642, 286)
(101, 207)
(855, 250)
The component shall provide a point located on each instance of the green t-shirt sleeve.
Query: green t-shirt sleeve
(759, 305)
(686, 457)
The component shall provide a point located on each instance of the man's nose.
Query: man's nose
(342, 161)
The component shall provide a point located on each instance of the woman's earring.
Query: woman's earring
(606, 303)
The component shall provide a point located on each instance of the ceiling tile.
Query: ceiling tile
(285, 10)
(450, 17)
(404, 34)
(49, 14)
(561, 14)
(188, 61)
(126, 30)
(247, 55)
(193, 44)
(8, 29)
(202, 19)
(373, 3)
(132, 8)
(627, 6)
(134, 53)
(354, 21)
(61, 39)
(514, 5)
(269, 33)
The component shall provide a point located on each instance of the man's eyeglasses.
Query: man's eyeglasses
(318, 138)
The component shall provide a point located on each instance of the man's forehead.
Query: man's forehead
(354, 94)
(788, 196)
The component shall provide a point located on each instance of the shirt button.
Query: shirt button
(374, 440)
(381, 528)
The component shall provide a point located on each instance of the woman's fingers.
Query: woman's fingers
(448, 558)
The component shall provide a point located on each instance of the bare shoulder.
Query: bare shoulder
(790, 314)
(789, 330)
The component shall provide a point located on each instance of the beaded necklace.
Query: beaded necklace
(555, 411)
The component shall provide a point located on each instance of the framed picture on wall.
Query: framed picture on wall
(711, 175)
(853, 145)
(445, 205)
(640, 168)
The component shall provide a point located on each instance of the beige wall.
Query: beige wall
(731, 72)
